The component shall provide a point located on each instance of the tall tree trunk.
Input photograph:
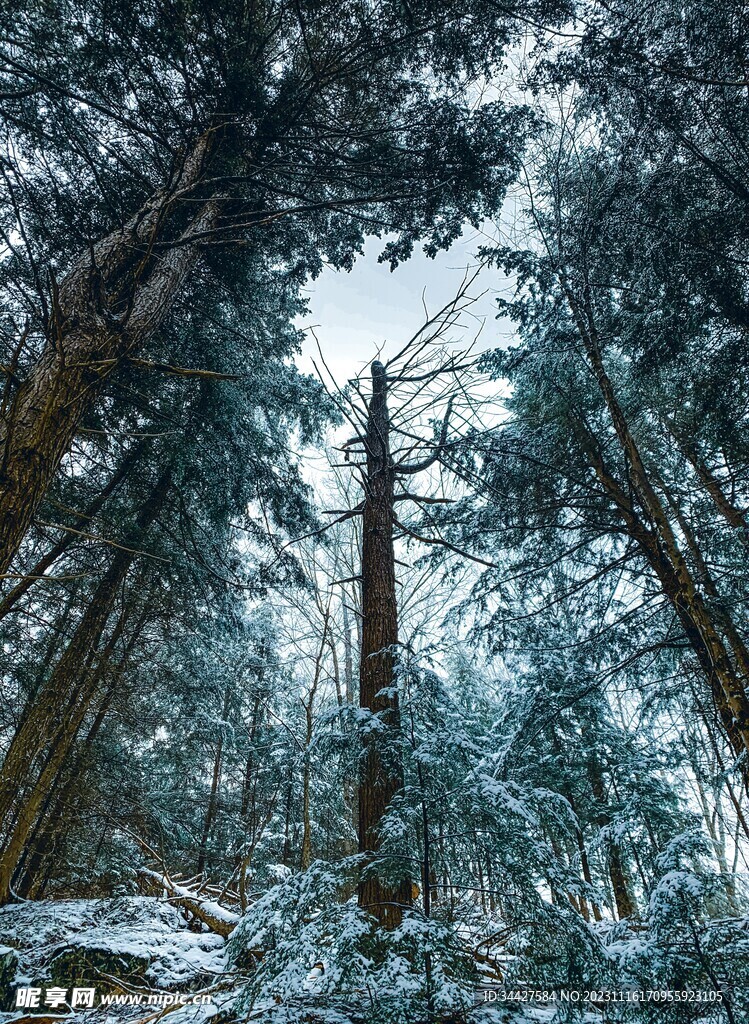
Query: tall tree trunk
(661, 547)
(718, 839)
(64, 797)
(382, 772)
(718, 606)
(288, 804)
(49, 729)
(625, 904)
(34, 790)
(108, 305)
(713, 735)
(210, 812)
(249, 783)
(349, 782)
(348, 653)
(680, 589)
(309, 709)
(582, 851)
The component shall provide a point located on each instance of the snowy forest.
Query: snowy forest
(417, 691)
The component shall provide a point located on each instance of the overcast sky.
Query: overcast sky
(353, 314)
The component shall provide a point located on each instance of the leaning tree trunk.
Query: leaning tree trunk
(382, 772)
(50, 725)
(59, 812)
(108, 305)
(654, 534)
(688, 448)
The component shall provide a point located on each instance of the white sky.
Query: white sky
(354, 314)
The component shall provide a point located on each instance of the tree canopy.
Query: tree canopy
(421, 694)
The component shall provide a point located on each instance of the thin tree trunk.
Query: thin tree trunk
(48, 732)
(248, 784)
(721, 764)
(349, 782)
(348, 661)
(210, 812)
(625, 904)
(286, 855)
(732, 515)
(584, 862)
(309, 706)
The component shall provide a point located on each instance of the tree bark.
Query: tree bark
(732, 515)
(64, 799)
(210, 812)
(655, 538)
(51, 724)
(625, 904)
(216, 918)
(109, 304)
(382, 772)
(309, 708)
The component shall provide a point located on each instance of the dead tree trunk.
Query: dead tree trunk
(381, 771)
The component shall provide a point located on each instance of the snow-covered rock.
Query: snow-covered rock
(140, 941)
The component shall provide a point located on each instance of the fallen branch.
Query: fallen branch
(213, 915)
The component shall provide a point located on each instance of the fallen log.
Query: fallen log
(217, 918)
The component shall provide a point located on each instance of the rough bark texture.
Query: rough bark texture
(108, 305)
(382, 773)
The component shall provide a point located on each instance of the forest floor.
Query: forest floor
(121, 947)
(134, 958)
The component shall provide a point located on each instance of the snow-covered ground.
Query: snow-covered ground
(140, 946)
(129, 944)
